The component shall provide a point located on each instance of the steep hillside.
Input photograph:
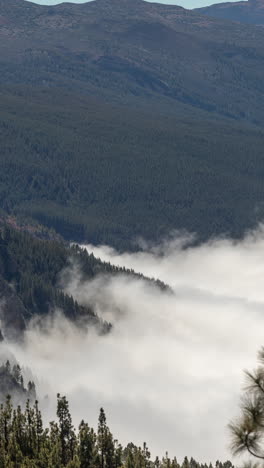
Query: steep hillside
(109, 173)
(29, 282)
(31, 285)
(127, 48)
(122, 118)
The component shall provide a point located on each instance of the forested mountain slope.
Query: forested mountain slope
(31, 283)
(134, 48)
(107, 173)
(123, 118)
(12, 383)
(249, 11)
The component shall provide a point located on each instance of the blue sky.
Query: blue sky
(184, 3)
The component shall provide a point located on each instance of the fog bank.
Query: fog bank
(170, 372)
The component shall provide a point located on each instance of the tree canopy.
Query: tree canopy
(26, 443)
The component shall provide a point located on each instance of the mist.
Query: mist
(171, 370)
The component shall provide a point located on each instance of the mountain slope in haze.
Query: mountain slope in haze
(29, 282)
(34, 274)
(121, 119)
(249, 11)
(121, 48)
(12, 384)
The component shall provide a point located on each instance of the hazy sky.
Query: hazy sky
(184, 3)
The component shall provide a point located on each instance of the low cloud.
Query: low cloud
(170, 372)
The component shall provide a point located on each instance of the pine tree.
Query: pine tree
(87, 446)
(146, 455)
(25, 444)
(66, 431)
(6, 421)
(17, 373)
(129, 460)
(105, 443)
(54, 447)
(101, 437)
(248, 432)
(117, 454)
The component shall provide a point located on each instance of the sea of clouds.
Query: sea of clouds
(171, 370)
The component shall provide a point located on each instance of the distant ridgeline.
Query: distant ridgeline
(24, 442)
(250, 12)
(30, 270)
(12, 383)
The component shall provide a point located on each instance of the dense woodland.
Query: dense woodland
(12, 383)
(126, 173)
(118, 120)
(25, 443)
(31, 283)
(150, 122)
(32, 266)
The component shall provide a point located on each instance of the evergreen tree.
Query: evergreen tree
(87, 446)
(17, 373)
(248, 432)
(66, 432)
(129, 460)
(105, 443)
(102, 438)
(24, 443)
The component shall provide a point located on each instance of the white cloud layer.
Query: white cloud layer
(170, 372)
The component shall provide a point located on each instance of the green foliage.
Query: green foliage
(89, 174)
(134, 128)
(33, 267)
(248, 431)
(139, 126)
(87, 446)
(38, 270)
(24, 443)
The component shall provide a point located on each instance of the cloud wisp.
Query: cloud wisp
(170, 372)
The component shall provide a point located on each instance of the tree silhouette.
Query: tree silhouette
(248, 431)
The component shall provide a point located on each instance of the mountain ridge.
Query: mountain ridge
(249, 12)
(131, 49)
